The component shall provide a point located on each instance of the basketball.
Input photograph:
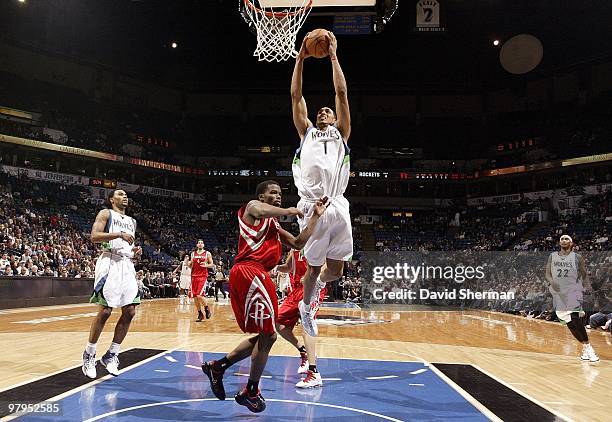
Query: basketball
(317, 44)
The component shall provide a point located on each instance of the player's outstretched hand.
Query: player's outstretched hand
(333, 44)
(127, 237)
(295, 211)
(303, 52)
(320, 206)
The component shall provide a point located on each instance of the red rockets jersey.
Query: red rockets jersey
(298, 268)
(259, 243)
(198, 268)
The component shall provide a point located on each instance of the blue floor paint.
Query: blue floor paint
(348, 399)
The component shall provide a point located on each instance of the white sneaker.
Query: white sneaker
(592, 355)
(589, 354)
(312, 380)
(111, 362)
(303, 364)
(89, 365)
(316, 294)
(308, 322)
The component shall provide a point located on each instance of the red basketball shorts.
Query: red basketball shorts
(289, 313)
(198, 284)
(253, 298)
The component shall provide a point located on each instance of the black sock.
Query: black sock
(313, 368)
(252, 387)
(302, 349)
(223, 363)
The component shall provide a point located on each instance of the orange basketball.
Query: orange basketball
(317, 44)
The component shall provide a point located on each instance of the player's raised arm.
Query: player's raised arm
(300, 241)
(298, 103)
(258, 209)
(343, 113)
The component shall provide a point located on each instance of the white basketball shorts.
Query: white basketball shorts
(333, 236)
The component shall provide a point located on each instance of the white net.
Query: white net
(277, 28)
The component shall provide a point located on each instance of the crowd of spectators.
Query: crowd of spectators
(44, 230)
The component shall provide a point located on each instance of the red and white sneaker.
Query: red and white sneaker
(303, 363)
(312, 380)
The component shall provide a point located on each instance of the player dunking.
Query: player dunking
(115, 283)
(288, 315)
(201, 261)
(252, 292)
(321, 168)
(563, 270)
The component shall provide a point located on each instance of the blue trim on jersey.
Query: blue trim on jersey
(109, 221)
(305, 135)
(347, 150)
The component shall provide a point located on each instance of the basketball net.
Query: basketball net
(277, 29)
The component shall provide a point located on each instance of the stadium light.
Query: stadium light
(495, 43)
(174, 45)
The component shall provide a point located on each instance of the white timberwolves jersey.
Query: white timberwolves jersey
(120, 223)
(185, 270)
(564, 269)
(321, 165)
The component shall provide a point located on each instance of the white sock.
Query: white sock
(114, 348)
(91, 348)
(320, 283)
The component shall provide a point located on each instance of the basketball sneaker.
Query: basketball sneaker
(254, 403)
(312, 380)
(316, 294)
(111, 362)
(207, 312)
(308, 321)
(89, 365)
(588, 353)
(303, 363)
(216, 379)
(200, 317)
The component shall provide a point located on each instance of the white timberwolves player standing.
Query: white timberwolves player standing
(184, 279)
(115, 283)
(563, 270)
(321, 168)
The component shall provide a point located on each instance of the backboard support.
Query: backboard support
(379, 11)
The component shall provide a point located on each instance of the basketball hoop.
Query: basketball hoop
(276, 30)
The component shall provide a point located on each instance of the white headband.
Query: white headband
(568, 236)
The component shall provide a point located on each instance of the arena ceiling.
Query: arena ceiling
(215, 46)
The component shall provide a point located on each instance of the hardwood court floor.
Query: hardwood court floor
(536, 358)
